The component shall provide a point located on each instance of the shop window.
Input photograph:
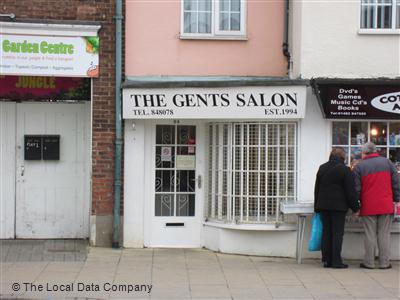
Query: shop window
(352, 135)
(252, 168)
(380, 14)
(213, 18)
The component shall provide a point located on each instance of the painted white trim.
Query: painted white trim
(88, 121)
(253, 227)
(215, 33)
(239, 33)
(8, 168)
(388, 31)
(209, 37)
(49, 29)
(89, 170)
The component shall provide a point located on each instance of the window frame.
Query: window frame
(215, 32)
(374, 30)
(349, 145)
(215, 210)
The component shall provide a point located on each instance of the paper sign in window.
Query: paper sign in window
(186, 162)
(166, 153)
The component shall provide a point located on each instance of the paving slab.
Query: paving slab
(170, 293)
(182, 274)
(253, 293)
(210, 291)
(289, 291)
(43, 250)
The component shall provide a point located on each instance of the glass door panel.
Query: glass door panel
(175, 170)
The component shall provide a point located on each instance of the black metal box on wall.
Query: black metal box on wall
(38, 147)
(51, 147)
(33, 147)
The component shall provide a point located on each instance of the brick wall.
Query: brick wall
(101, 11)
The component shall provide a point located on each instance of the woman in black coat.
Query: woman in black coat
(334, 194)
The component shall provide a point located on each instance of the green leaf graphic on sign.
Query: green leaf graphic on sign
(92, 44)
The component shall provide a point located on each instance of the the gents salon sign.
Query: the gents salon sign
(349, 101)
(284, 102)
(33, 55)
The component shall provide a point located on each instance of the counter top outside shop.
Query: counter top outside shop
(301, 209)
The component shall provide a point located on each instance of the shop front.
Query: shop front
(45, 128)
(205, 161)
(359, 111)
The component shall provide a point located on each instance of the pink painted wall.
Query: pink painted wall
(153, 46)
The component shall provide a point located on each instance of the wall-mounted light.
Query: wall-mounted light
(374, 131)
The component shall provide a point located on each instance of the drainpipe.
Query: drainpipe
(285, 45)
(118, 123)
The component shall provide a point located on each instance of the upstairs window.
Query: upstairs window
(213, 18)
(380, 14)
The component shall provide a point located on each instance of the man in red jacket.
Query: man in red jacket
(377, 186)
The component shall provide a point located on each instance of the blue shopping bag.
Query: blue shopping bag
(314, 244)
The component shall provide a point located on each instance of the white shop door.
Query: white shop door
(52, 196)
(7, 170)
(177, 185)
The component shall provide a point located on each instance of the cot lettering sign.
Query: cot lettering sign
(287, 102)
(388, 102)
(348, 101)
(34, 55)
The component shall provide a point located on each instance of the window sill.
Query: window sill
(253, 227)
(217, 38)
(379, 31)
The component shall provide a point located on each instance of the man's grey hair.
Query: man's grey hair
(368, 148)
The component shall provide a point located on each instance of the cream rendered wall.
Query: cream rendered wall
(153, 45)
(313, 147)
(326, 43)
(134, 183)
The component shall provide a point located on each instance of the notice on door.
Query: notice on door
(166, 153)
(186, 162)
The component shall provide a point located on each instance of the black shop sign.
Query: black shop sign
(359, 101)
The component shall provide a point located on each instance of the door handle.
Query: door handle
(22, 171)
(199, 181)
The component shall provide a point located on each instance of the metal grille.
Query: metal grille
(379, 14)
(175, 187)
(252, 168)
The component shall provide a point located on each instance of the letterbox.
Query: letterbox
(33, 147)
(51, 147)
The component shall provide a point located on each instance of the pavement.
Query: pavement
(77, 271)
